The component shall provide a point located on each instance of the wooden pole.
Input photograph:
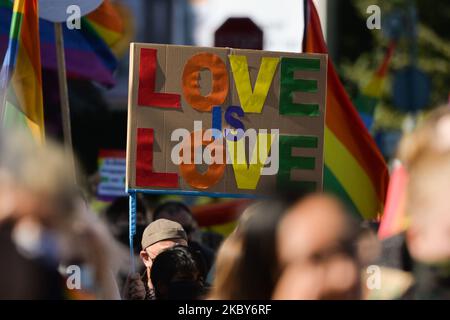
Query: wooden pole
(2, 107)
(63, 92)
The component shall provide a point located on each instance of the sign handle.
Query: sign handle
(132, 226)
(63, 92)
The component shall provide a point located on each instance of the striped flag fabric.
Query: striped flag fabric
(106, 22)
(87, 50)
(394, 219)
(371, 93)
(21, 102)
(354, 168)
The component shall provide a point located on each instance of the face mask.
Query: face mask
(36, 242)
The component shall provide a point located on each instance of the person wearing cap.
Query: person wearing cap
(159, 235)
(181, 213)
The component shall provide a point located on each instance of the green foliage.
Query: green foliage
(433, 56)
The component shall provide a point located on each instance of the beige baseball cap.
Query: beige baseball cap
(162, 229)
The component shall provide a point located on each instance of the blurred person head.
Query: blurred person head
(51, 219)
(177, 274)
(160, 235)
(30, 205)
(36, 182)
(428, 208)
(317, 251)
(178, 212)
(117, 217)
(430, 137)
(426, 155)
(227, 278)
(247, 266)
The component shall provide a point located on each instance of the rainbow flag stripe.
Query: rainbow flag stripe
(394, 220)
(88, 55)
(20, 76)
(354, 168)
(371, 94)
(106, 22)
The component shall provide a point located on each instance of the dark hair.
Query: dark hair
(253, 271)
(120, 207)
(259, 263)
(177, 273)
(171, 208)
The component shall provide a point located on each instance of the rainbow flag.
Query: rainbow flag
(371, 93)
(394, 219)
(87, 52)
(354, 167)
(21, 101)
(106, 22)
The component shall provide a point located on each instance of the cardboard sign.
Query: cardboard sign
(225, 122)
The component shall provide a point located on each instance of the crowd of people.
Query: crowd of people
(309, 246)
